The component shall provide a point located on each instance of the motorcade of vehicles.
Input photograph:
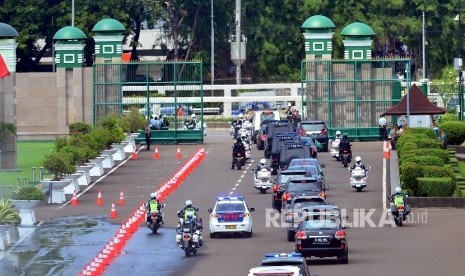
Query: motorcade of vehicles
(287, 270)
(261, 117)
(231, 215)
(302, 186)
(323, 234)
(297, 212)
(317, 130)
(273, 130)
(280, 185)
(251, 106)
(277, 141)
(292, 150)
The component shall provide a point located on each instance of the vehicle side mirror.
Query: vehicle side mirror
(210, 210)
(252, 209)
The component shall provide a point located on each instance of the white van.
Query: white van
(260, 116)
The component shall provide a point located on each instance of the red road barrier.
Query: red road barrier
(113, 248)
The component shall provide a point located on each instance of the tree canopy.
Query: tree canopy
(275, 44)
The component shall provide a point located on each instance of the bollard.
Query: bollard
(24, 181)
(41, 173)
(33, 174)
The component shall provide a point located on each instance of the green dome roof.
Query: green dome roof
(108, 25)
(69, 33)
(7, 31)
(318, 22)
(357, 29)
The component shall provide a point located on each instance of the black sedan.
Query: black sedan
(322, 235)
(280, 185)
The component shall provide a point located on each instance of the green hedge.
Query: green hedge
(455, 132)
(448, 117)
(425, 160)
(439, 172)
(428, 132)
(435, 187)
(409, 172)
(443, 154)
(406, 148)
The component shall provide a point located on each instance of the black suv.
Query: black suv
(278, 140)
(292, 150)
(280, 185)
(317, 130)
(273, 129)
(302, 186)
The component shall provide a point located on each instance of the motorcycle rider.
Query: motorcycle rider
(261, 165)
(358, 164)
(192, 123)
(345, 144)
(398, 199)
(153, 205)
(189, 211)
(338, 135)
(238, 147)
(237, 123)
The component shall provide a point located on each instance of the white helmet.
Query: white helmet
(262, 161)
(338, 133)
(153, 195)
(241, 115)
(188, 202)
(193, 115)
(358, 159)
(289, 104)
(398, 190)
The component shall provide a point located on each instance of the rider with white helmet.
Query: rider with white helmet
(262, 165)
(153, 205)
(359, 164)
(338, 135)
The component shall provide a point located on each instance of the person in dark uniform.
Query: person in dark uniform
(147, 136)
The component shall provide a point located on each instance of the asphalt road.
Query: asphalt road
(430, 244)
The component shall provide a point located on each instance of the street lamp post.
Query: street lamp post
(72, 13)
(459, 80)
(212, 46)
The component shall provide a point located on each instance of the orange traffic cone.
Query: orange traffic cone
(156, 155)
(178, 154)
(122, 201)
(134, 153)
(74, 201)
(99, 199)
(113, 213)
(387, 150)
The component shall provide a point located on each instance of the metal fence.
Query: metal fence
(351, 95)
(173, 89)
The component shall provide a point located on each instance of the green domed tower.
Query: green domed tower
(318, 34)
(69, 47)
(108, 40)
(8, 46)
(358, 38)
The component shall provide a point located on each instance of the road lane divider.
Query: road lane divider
(114, 247)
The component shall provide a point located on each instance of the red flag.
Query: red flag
(3, 69)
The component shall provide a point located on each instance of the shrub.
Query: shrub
(455, 132)
(8, 214)
(406, 148)
(133, 122)
(443, 154)
(428, 132)
(409, 172)
(438, 172)
(435, 187)
(409, 137)
(428, 143)
(115, 132)
(448, 117)
(58, 164)
(97, 139)
(79, 128)
(425, 160)
(28, 193)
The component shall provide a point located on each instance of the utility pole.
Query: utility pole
(72, 13)
(424, 53)
(238, 40)
(212, 46)
(460, 68)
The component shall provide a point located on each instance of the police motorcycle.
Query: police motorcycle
(335, 145)
(247, 145)
(246, 129)
(154, 218)
(236, 127)
(262, 180)
(188, 234)
(358, 178)
(194, 124)
(399, 209)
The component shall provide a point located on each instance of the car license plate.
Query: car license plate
(321, 240)
(358, 185)
(230, 226)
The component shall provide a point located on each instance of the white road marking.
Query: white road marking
(236, 185)
(239, 180)
(384, 184)
(234, 188)
(242, 176)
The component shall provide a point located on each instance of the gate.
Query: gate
(173, 89)
(351, 95)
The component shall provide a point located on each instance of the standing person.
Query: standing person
(289, 114)
(165, 124)
(296, 119)
(180, 111)
(382, 128)
(147, 136)
(393, 136)
(443, 139)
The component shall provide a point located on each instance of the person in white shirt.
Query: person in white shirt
(382, 128)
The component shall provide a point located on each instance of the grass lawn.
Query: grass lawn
(461, 166)
(30, 154)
